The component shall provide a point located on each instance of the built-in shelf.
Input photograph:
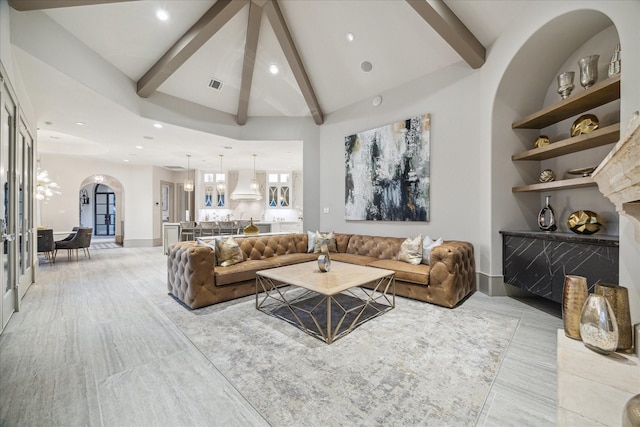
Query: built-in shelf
(582, 100)
(564, 184)
(597, 138)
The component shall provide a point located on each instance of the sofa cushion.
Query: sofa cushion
(331, 242)
(262, 247)
(375, 246)
(411, 250)
(228, 252)
(289, 259)
(241, 272)
(418, 274)
(352, 259)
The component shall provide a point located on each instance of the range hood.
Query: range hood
(243, 189)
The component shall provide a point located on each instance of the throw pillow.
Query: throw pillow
(427, 246)
(228, 252)
(311, 241)
(210, 243)
(331, 242)
(411, 250)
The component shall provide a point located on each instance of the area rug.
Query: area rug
(418, 364)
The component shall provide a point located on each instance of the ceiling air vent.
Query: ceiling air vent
(215, 84)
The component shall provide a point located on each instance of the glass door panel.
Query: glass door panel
(105, 211)
(7, 222)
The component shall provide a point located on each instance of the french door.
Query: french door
(7, 219)
(105, 211)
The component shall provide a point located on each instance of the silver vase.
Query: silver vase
(544, 223)
(588, 70)
(598, 326)
(565, 84)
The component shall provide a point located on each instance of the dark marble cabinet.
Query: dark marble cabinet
(537, 261)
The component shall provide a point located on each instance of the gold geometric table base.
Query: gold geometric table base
(326, 317)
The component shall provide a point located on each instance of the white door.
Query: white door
(7, 223)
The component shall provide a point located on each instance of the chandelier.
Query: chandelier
(188, 183)
(220, 181)
(45, 188)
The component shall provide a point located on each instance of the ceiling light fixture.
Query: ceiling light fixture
(139, 147)
(99, 179)
(220, 182)
(351, 37)
(157, 125)
(162, 14)
(377, 101)
(45, 188)
(188, 183)
(80, 123)
(273, 69)
(366, 66)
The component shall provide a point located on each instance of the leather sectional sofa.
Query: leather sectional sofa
(196, 279)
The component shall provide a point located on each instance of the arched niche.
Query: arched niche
(523, 89)
(86, 211)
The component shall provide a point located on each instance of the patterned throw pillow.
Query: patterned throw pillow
(331, 242)
(228, 252)
(411, 250)
(427, 246)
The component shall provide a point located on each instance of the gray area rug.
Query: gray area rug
(418, 364)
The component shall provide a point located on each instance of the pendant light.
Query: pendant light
(220, 182)
(188, 183)
(254, 182)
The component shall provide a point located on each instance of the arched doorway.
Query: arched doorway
(101, 206)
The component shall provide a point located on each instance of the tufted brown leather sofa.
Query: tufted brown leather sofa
(195, 279)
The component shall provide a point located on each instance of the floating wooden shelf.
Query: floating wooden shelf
(597, 138)
(582, 100)
(565, 184)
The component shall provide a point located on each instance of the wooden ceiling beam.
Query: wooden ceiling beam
(250, 52)
(442, 19)
(195, 37)
(276, 19)
(26, 5)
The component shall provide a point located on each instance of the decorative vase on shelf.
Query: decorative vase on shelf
(544, 223)
(588, 70)
(574, 294)
(616, 63)
(584, 222)
(598, 327)
(324, 260)
(618, 299)
(565, 84)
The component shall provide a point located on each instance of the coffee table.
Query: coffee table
(326, 305)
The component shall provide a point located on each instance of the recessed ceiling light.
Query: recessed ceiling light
(147, 137)
(139, 147)
(228, 147)
(351, 37)
(377, 101)
(273, 69)
(48, 123)
(162, 14)
(125, 160)
(157, 125)
(80, 123)
(366, 66)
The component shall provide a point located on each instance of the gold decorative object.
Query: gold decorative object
(584, 222)
(618, 298)
(541, 141)
(251, 229)
(547, 175)
(584, 124)
(574, 294)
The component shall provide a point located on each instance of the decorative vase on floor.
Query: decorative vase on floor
(631, 413)
(598, 327)
(543, 223)
(588, 70)
(574, 294)
(618, 298)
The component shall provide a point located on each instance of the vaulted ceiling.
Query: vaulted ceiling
(221, 54)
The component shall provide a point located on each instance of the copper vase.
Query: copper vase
(618, 298)
(574, 294)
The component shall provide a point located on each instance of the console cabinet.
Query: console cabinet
(537, 262)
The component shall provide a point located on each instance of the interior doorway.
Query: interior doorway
(104, 211)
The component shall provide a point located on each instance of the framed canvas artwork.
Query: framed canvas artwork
(387, 172)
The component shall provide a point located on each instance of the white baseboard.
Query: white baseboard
(494, 286)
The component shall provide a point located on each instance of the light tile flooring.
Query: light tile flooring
(90, 347)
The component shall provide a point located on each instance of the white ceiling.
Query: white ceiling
(388, 33)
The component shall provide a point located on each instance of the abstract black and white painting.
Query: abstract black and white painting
(387, 172)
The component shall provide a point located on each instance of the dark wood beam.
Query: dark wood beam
(26, 5)
(250, 51)
(209, 24)
(442, 19)
(274, 14)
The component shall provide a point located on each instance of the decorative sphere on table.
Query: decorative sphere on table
(584, 222)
